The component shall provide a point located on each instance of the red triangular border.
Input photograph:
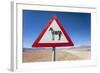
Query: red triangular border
(37, 44)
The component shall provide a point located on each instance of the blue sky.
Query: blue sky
(77, 25)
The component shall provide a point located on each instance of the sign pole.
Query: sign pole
(54, 54)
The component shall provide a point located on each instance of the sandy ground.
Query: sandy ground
(61, 55)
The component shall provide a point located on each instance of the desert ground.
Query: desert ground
(42, 55)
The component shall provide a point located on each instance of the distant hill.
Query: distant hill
(59, 48)
(30, 49)
(83, 46)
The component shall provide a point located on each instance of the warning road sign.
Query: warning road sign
(53, 35)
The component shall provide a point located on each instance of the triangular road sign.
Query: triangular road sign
(53, 35)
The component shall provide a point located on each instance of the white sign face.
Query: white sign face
(53, 34)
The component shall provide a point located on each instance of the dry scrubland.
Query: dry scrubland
(61, 54)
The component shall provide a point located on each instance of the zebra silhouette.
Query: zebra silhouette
(55, 33)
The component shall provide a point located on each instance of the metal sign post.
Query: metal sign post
(54, 54)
